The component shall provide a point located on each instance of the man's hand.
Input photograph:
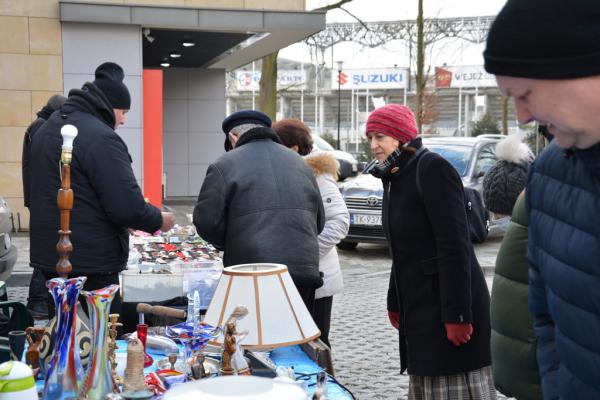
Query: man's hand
(394, 317)
(459, 333)
(168, 220)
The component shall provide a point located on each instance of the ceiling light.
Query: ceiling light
(188, 43)
(175, 55)
(165, 64)
(146, 33)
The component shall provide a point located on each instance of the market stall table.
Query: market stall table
(291, 356)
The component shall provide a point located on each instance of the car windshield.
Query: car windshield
(321, 144)
(457, 155)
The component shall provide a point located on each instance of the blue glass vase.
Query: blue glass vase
(64, 375)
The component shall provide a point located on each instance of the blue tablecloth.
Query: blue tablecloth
(292, 356)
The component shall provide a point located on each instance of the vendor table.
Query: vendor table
(291, 356)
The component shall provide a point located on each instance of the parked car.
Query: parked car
(472, 157)
(348, 164)
(8, 252)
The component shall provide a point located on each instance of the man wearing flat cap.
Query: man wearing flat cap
(107, 198)
(259, 202)
(546, 55)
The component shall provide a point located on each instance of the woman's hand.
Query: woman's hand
(394, 317)
(459, 333)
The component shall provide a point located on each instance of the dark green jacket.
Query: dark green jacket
(513, 343)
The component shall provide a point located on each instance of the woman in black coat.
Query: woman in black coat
(437, 297)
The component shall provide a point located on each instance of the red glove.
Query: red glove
(394, 317)
(459, 333)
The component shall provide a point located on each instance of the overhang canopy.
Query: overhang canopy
(231, 37)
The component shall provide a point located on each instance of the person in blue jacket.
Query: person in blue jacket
(550, 65)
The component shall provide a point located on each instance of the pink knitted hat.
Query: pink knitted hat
(393, 120)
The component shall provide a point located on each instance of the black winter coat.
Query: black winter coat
(42, 116)
(107, 198)
(435, 277)
(260, 203)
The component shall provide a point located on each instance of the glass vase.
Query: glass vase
(65, 373)
(98, 380)
(142, 334)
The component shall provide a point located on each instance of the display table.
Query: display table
(292, 356)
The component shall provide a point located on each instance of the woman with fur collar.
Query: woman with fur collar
(296, 136)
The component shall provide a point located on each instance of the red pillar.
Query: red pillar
(152, 81)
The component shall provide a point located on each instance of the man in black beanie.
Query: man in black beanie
(546, 54)
(107, 198)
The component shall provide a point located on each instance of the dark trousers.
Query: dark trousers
(308, 296)
(37, 288)
(322, 317)
(93, 282)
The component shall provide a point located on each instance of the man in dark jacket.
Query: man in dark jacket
(551, 66)
(38, 294)
(261, 203)
(107, 198)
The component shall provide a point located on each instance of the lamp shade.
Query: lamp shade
(276, 316)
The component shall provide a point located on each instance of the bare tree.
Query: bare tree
(420, 78)
(267, 101)
(505, 115)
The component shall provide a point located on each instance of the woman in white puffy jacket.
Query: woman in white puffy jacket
(296, 136)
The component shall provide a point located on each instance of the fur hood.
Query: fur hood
(323, 163)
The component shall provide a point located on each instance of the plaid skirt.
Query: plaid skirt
(473, 385)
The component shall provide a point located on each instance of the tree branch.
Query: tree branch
(333, 6)
(355, 17)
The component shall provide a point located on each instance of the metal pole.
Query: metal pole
(302, 92)
(352, 115)
(252, 85)
(317, 99)
(339, 108)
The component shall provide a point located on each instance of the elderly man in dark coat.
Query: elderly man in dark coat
(260, 203)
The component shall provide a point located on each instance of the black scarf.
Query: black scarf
(395, 162)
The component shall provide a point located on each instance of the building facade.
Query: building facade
(178, 93)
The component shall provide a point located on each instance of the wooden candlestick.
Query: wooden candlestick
(112, 347)
(64, 247)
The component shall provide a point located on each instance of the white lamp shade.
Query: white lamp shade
(276, 316)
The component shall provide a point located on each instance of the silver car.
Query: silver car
(8, 252)
(472, 157)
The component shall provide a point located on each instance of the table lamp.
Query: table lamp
(276, 316)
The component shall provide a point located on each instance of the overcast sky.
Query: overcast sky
(395, 53)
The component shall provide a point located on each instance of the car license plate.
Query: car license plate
(365, 219)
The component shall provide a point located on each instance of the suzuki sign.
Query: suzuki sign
(376, 78)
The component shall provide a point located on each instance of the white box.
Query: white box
(136, 287)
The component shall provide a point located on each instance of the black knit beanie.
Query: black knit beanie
(502, 185)
(109, 79)
(545, 39)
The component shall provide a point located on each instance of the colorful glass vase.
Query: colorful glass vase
(142, 334)
(64, 375)
(98, 380)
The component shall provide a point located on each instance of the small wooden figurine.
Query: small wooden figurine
(233, 361)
